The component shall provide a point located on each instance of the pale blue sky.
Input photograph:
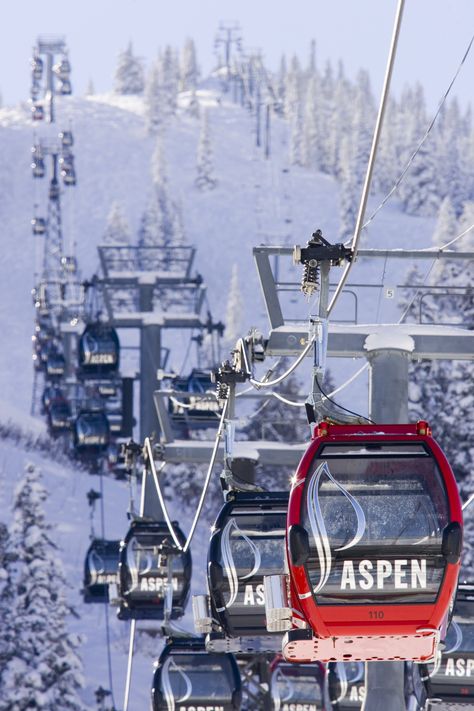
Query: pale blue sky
(434, 36)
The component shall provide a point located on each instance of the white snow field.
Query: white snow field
(252, 203)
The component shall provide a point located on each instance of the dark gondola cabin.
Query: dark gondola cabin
(91, 433)
(99, 350)
(50, 394)
(55, 365)
(247, 543)
(150, 565)
(187, 678)
(58, 417)
(449, 682)
(294, 687)
(100, 569)
(200, 408)
(346, 683)
(374, 541)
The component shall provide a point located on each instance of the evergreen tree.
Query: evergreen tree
(189, 71)
(446, 224)
(292, 88)
(90, 90)
(447, 145)
(205, 179)
(348, 196)
(281, 83)
(387, 162)
(161, 224)
(296, 136)
(116, 237)
(311, 124)
(43, 670)
(7, 631)
(117, 231)
(154, 98)
(235, 310)
(419, 191)
(326, 114)
(129, 74)
(170, 81)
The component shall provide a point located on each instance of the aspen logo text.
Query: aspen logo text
(459, 667)
(398, 574)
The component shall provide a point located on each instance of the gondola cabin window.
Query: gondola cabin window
(375, 515)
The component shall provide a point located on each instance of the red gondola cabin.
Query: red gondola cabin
(374, 536)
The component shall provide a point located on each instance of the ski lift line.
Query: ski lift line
(437, 250)
(349, 380)
(373, 153)
(155, 473)
(208, 477)
(425, 136)
(271, 383)
(468, 502)
(129, 665)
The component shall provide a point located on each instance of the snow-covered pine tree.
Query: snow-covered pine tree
(296, 136)
(281, 82)
(446, 224)
(205, 179)
(43, 670)
(161, 224)
(189, 70)
(154, 98)
(348, 194)
(386, 165)
(117, 231)
(326, 117)
(170, 81)
(129, 74)
(292, 82)
(117, 236)
(151, 235)
(361, 128)
(311, 124)
(7, 631)
(235, 310)
(450, 131)
(164, 204)
(342, 105)
(419, 190)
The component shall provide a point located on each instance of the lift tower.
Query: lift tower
(50, 76)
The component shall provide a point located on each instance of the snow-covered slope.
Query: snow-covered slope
(255, 201)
